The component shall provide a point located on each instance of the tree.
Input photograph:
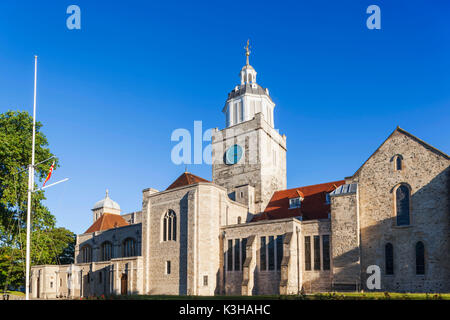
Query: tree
(49, 244)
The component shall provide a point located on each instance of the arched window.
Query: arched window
(86, 254)
(129, 248)
(170, 226)
(398, 163)
(106, 251)
(420, 258)
(250, 78)
(402, 199)
(389, 258)
(239, 220)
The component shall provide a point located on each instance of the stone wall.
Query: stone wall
(345, 246)
(195, 256)
(426, 172)
(259, 281)
(263, 162)
(315, 280)
(116, 236)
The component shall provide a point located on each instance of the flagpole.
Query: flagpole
(30, 189)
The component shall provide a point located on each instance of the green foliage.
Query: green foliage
(49, 244)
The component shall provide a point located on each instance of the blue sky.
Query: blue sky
(110, 94)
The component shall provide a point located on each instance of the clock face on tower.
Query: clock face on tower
(233, 155)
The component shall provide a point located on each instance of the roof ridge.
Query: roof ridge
(422, 141)
(312, 185)
(398, 129)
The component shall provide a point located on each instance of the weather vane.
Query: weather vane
(247, 51)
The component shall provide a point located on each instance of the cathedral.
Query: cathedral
(245, 233)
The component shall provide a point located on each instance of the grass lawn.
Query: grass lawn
(14, 293)
(316, 296)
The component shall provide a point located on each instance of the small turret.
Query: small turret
(106, 205)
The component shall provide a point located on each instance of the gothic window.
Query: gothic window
(307, 253)
(106, 251)
(279, 251)
(389, 258)
(86, 254)
(170, 226)
(230, 256)
(316, 252)
(262, 254)
(129, 248)
(271, 253)
(244, 251)
(237, 254)
(420, 258)
(326, 252)
(402, 199)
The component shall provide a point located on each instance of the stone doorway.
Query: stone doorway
(124, 284)
(38, 288)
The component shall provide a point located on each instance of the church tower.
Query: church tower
(249, 155)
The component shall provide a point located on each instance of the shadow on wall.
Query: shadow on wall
(182, 283)
(429, 223)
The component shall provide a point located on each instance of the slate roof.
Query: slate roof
(345, 189)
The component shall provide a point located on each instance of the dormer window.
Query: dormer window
(294, 203)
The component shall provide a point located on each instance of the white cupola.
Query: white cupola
(106, 205)
(249, 98)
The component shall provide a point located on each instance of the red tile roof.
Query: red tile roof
(107, 221)
(185, 179)
(312, 207)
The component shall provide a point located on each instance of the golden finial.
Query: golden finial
(247, 51)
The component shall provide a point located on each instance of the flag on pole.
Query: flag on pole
(49, 173)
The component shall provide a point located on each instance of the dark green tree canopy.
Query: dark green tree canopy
(49, 244)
